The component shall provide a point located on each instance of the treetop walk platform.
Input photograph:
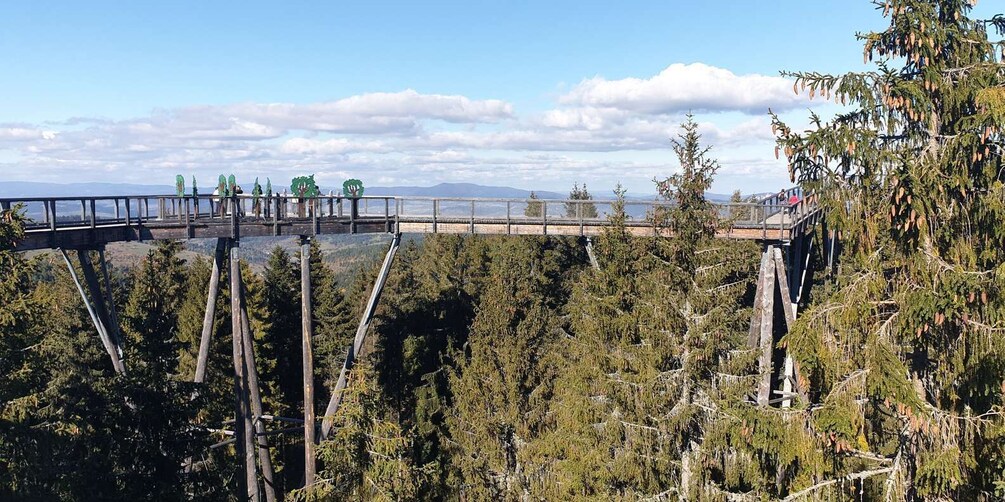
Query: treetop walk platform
(89, 222)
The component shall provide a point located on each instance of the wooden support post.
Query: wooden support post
(102, 333)
(91, 277)
(243, 430)
(251, 370)
(789, 306)
(361, 330)
(110, 298)
(765, 309)
(589, 253)
(308, 360)
(210, 313)
(314, 215)
(783, 283)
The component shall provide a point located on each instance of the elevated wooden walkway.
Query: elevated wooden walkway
(90, 222)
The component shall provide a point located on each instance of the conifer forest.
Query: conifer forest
(512, 368)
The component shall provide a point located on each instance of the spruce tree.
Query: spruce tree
(903, 353)
(534, 208)
(577, 210)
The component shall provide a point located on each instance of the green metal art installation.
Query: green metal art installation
(352, 188)
(268, 188)
(195, 188)
(179, 185)
(304, 187)
(231, 186)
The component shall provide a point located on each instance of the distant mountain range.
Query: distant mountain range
(12, 189)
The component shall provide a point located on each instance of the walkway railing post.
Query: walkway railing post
(52, 213)
(579, 214)
(436, 209)
(509, 230)
(544, 218)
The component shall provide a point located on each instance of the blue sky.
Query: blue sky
(529, 94)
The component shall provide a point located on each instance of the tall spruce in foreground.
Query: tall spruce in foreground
(653, 329)
(905, 356)
(501, 387)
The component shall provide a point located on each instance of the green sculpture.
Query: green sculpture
(268, 187)
(179, 185)
(304, 186)
(352, 188)
(195, 188)
(231, 186)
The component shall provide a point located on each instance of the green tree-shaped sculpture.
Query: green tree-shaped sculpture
(268, 187)
(304, 187)
(179, 185)
(352, 188)
(231, 186)
(195, 188)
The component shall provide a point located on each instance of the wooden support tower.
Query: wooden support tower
(308, 360)
(361, 330)
(774, 274)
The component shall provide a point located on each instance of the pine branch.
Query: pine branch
(851, 477)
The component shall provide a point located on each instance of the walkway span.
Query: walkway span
(89, 222)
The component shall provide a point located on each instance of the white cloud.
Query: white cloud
(603, 131)
(11, 133)
(693, 87)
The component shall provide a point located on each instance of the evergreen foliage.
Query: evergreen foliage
(534, 207)
(580, 210)
(911, 175)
